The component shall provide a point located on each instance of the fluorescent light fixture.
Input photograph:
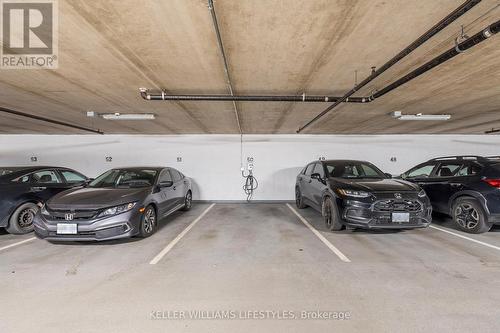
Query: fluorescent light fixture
(420, 116)
(128, 116)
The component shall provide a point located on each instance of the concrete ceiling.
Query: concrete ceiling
(108, 49)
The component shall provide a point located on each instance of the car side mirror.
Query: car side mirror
(166, 183)
(388, 175)
(316, 176)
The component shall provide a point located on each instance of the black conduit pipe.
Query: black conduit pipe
(443, 57)
(52, 121)
(465, 7)
(245, 98)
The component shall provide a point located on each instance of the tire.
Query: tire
(188, 201)
(299, 200)
(469, 216)
(331, 215)
(21, 221)
(149, 222)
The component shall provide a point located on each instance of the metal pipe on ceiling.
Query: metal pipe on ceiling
(465, 7)
(162, 96)
(479, 37)
(443, 57)
(48, 120)
(211, 8)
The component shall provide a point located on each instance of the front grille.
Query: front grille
(393, 205)
(80, 234)
(60, 215)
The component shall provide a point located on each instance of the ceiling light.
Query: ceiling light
(128, 116)
(419, 116)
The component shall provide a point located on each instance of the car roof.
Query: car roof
(462, 158)
(344, 161)
(27, 169)
(157, 168)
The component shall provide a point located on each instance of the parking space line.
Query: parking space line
(170, 245)
(320, 236)
(18, 243)
(465, 237)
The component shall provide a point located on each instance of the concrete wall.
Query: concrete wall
(213, 161)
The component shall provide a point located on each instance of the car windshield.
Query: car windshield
(353, 170)
(125, 178)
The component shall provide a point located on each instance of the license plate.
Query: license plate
(67, 228)
(400, 217)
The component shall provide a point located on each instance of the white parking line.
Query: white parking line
(169, 247)
(18, 243)
(320, 236)
(465, 237)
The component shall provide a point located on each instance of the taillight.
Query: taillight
(493, 182)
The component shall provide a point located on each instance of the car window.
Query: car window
(125, 178)
(318, 168)
(422, 171)
(330, 169)
(353, 169)
(4, 172)
(175, 175)
(309, 170)
(367, 170)
(22, 179)
(73, 177)
(448, 169)
(45, 177)
(165, 176)
(469, 170)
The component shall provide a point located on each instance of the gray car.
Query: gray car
(120, 203)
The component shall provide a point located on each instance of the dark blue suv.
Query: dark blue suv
(465, 187)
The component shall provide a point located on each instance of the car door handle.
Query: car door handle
(455, 185)
(38, 188)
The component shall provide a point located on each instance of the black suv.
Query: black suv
(465, 187)
(356, 194)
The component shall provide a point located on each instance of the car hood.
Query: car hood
(375, 185)
(96, 198)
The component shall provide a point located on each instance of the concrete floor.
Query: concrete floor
(254, 257)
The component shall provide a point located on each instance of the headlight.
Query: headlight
(354, 194)
(117, 209)
(422, 194)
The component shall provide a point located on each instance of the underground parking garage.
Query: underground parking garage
(249, 166)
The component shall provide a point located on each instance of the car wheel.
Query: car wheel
(148, 222)
(188, 201)
(331, 215)
(470, 216)
(21, 221)
(299, 200)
